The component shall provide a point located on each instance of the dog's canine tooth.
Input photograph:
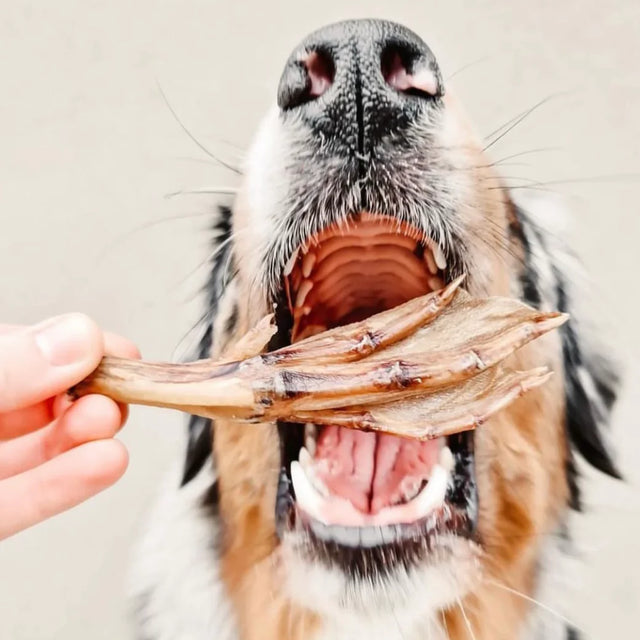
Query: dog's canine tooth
(306, 462)
(305, 459)
(428, 500)
(306, 494)
(432, 496)
(410, 488)
(446, 460)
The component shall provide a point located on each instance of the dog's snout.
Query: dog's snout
(359, 80)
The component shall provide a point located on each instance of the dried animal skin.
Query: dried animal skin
(457, 408)
(426, 368)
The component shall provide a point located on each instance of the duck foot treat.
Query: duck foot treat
(430, 367)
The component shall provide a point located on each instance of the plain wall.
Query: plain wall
(89, 151)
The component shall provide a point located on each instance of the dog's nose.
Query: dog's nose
(358, 81)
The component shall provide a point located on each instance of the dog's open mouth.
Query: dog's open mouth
(355, 488)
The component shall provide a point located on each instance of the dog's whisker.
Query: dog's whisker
(506, 128)
(467, 66)
(466, 619)
(122, 237)
(444, 623)
(221, 162)
(203, 191)
(531, 600)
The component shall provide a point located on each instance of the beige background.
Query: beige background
(89, 150)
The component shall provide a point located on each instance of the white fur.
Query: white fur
(265, 185)
(399, 608)
(557, 569)
(175, 581)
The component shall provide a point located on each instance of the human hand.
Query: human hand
(55, 453)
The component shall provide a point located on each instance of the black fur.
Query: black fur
(529, 281)
(586, 416)
(200, 429)
(573, 633)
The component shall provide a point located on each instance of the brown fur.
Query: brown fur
(520, 457)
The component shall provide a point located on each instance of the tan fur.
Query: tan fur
(520, 457)
(248, 461)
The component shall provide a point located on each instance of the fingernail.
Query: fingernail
(65, 339)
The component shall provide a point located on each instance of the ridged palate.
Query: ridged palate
(348, 272)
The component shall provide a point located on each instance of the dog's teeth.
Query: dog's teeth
(348, 536)
(303, 292)
(320, 530)
(410, 488)
(432, 496)
(308, 262)
(310, 432)
(305, 459)
(435, 283)
(306, 495)
(310, 444)
(446, 459)
(431, 263)
(389, 533)
(291, 263)
(371, 536)
(438, 256)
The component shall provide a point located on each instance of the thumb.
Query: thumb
(39, 362)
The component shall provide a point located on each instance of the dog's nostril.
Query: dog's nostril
(321, 72)
(406, 72)
(305, 80)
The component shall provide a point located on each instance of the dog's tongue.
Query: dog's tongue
(371, 470)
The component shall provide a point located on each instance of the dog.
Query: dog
(366, 186)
